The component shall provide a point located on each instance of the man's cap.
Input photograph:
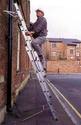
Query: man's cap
(39, 10)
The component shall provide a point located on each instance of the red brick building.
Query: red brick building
(63, 55)
(62, 49)
(20, 61)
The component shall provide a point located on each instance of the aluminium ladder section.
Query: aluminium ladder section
(35, 61)
(42, 81)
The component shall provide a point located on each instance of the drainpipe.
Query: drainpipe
(9, 70)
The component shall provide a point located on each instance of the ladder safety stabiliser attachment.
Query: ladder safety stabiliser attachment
(16, 1)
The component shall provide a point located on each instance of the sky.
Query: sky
(63, 17)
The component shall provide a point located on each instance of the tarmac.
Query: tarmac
(31, 108)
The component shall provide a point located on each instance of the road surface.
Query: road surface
(67, 89)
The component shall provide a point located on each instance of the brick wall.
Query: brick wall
(64, 66)
(54, 53)
(65, 62)
(61, 51)
(3, 52)
(3, 57)
(18, 78)
(57, 52)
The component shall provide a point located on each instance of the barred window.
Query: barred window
(71, 51)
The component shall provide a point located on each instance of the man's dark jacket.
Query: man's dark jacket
(39, 27)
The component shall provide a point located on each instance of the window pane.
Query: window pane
(71, 51)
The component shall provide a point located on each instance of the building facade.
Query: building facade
(62, 49)
(20, 60)
(55, 50)
(63, 55)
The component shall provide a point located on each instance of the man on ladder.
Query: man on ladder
(38, 32)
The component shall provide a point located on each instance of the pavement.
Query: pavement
(64, 76)
(31, 108)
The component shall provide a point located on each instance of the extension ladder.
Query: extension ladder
(33, 56)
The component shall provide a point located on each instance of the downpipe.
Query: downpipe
(9, 68)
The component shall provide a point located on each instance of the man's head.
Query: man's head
(39, 13)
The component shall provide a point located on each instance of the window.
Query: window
(53, 45)
(77, 54)
(53, 53)
(71, 51)
(78, 45)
